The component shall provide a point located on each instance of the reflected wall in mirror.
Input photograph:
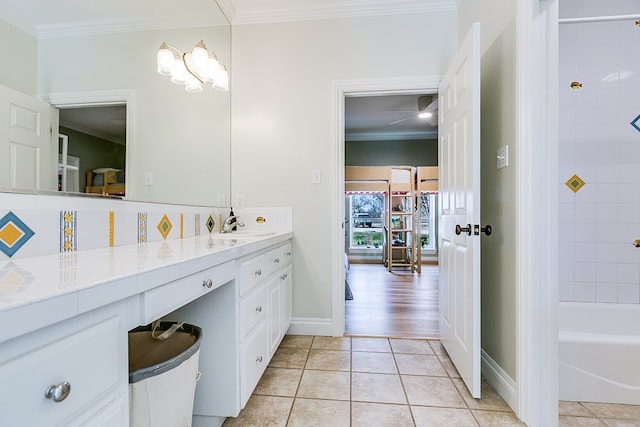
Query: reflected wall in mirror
(178, 147)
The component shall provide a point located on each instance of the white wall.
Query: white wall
(498, 208)
(181, 138)
(597, 142)
(18, 51)
(281, 107)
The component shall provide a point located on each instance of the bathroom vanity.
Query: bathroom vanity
(63, 345)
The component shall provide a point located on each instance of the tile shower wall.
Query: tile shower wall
(599, 155)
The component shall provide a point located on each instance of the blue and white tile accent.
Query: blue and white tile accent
(68, 231)
(142, 227)
(13, 234)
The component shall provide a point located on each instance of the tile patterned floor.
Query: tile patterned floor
(356, 381)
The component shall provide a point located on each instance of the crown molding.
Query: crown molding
(89, 28)
(340, 9)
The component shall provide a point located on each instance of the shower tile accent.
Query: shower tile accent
(13, 234)
(68, 231)
(142, 227)
(575, 183)
(164, 226)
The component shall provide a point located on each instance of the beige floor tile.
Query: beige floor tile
(495, 418)
(420, 364)
(571, 421)
(279, 382)
(489, 399)
(438, 348)
(296, 341)
(329, 360)
(331, 343)
(449, 366)
(380, 415)
(294, 358)
(410, 346)
(432, 391)
(320, 413)
(621, 423)
(380, 388)
(263, 411)
(426, 416)
(382, 363)
(614, 410)
(325, 385)
(573, 409)
(380, 345)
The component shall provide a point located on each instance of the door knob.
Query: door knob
(460, 230)
(487, 230)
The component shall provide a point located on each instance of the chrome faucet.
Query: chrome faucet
(230, 223)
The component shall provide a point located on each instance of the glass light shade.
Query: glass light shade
(200, 60)
(213, 67)
(221, 82)
(165, 60)
(192, 84)
(425, 115)
(179, 72)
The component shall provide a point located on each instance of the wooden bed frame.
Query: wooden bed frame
(110, 187)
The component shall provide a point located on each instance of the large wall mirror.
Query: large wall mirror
(172, 146)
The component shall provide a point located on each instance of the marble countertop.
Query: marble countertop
(58, 286)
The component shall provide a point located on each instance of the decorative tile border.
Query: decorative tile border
(111, 228)
(142, 227)
(634, 123)
(164, 226)
(13, 234)
(68, 231)
(210, 224)
(197, 224)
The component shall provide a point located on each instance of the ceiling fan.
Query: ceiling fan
(427, 106)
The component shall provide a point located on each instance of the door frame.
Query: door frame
(341, 89)
(94, 98)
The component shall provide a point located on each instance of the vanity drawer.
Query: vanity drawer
(253, 308)
(167, 298)
(252, 271)
(278, 258)
(254, 356)
(91, 360)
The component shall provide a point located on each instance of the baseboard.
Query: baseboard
(500, 381)
(310, 326)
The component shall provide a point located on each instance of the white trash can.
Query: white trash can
(163, 372)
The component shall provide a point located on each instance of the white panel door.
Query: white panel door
(459, 251)
(28, 153)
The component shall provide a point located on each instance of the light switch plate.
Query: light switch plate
(148, 178)
(502, 157)
(239, 201)
(315, 176)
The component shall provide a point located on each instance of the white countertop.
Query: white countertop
(37, 291)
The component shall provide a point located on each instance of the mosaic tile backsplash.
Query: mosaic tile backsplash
(599, 157)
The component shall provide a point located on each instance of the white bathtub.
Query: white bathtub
(599, 352)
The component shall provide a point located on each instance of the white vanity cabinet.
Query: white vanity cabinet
(71, 373)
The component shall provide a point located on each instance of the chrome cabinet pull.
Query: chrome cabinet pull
(276, 261)
(259, 359)
(258, 272)
(58, 392)
(207, 283)
(259, 309)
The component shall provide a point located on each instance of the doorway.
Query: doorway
(383, 130)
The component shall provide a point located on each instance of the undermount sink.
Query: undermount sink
(243, 233)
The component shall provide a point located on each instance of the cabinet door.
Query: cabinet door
(275, 313)
(286, 289)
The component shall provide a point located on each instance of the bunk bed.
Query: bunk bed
(106, 181)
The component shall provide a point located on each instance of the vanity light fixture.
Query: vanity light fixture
(192, 69)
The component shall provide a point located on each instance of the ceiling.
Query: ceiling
(365, 117)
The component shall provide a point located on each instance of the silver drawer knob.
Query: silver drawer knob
(276, 261)
(259, 359)
(207, 283)
(259, 309)
(58, 392)
(258, 272)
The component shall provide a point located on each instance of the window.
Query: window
(365, 221)
(428, 207)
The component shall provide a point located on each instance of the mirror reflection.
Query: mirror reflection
(176, 144)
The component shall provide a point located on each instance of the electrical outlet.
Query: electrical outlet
(239, 201)
(148, 178)
(315, 176)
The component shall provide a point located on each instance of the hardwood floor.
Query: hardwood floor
(399, 304)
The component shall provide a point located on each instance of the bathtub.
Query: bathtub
(599, 352)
